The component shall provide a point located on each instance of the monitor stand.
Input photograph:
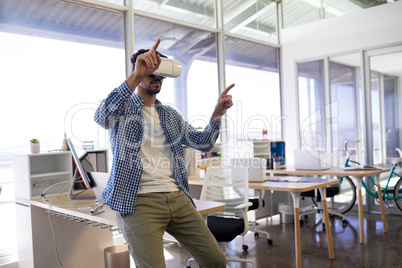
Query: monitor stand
(76, 195)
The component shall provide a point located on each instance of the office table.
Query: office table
(62, 204)
(295, 189)
(80, 236)
(358, 175)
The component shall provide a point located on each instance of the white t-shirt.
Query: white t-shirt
(156, 156)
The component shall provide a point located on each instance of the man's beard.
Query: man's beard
(151, 88)
(152, 91)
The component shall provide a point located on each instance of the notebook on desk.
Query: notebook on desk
(100, 180)
(309, 160)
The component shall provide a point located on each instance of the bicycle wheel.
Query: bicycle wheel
(345, 199)
(398, 193)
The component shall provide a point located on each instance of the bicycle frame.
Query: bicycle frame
(385, 190)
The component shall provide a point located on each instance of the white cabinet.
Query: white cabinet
(78, 244)
(34, 173)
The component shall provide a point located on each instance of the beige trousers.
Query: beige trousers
(174, 213)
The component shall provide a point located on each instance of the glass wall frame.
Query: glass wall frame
(373, 78)
(383, 89)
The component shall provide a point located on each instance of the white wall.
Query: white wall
(370, 28)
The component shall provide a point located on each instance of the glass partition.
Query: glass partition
(311, 105)
(385, 91)
(376, 118)
(343, 94)
(386, 73)
(392, 115)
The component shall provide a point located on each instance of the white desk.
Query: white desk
(80, 236)
(357, 175)
(295, 189)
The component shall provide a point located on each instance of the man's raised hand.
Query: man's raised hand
(224, 103)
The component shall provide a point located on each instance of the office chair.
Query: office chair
(229, 186)
(258, 203)
(330, 192)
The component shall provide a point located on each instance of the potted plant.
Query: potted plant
(35, 146)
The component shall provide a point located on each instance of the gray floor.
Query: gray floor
(379, 250)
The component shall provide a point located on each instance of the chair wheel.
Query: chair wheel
(270, 242)
(256, 235)
(332, 217)
(344, 223)
(323, 226)
(245, 247)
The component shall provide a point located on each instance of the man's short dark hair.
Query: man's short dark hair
(142, 51)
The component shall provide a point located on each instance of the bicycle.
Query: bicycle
(388, 193)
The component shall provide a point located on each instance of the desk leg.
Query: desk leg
(323, 192)
(384, 221)
(296, 200)
(360, 206)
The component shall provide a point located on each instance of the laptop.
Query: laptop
(99, 180)
(309, 160)
(256, 167)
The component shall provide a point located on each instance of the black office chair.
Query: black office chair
(257, 204)
(331, 191)
(229, 186)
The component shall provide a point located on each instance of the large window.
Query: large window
(59, 59)
(195, 91)
(256, 96)
(196, 12)
(202, 92)
(252, 19)
(55, 70)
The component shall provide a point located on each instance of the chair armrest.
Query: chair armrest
(244, 205)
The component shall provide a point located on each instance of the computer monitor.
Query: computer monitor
(80, 175)
(278, 151)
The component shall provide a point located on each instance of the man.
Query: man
(148, 184)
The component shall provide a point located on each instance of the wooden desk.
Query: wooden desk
(80, 236)
(295, 189)
(358, 175)
(80, 208)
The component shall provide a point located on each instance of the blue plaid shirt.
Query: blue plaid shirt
(120, 113)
